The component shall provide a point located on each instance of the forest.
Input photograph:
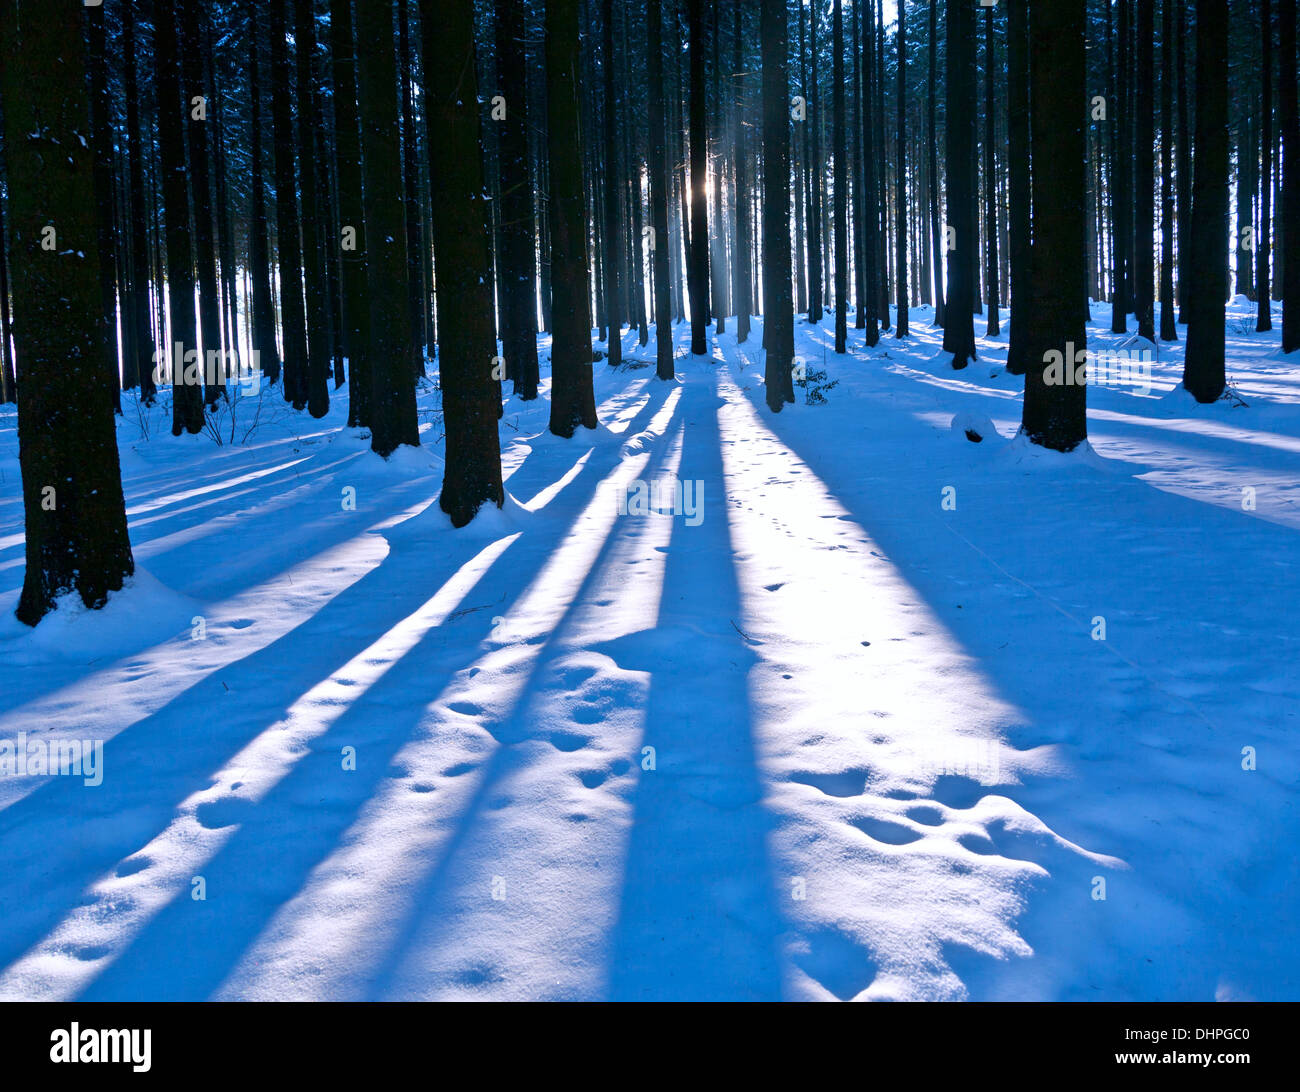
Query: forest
(826, 459)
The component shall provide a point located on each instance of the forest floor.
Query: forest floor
(877, 712)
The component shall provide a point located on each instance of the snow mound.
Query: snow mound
(975, 427)
(144, 612)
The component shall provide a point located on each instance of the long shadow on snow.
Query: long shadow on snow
(698, 920)
(263, 850)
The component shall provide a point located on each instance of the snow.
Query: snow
(854, 735)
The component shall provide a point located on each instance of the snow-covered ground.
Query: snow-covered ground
(877, 712)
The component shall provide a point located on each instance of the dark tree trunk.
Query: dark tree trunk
(1245, 190)
(1288, 249)
(993, 326)
(1144, 263)
(1263, 282)
(659, 195)
(76, 531)
(518, 283)
(812, 134)
(355, 329)
(198, 102)
(1020, 194)
(840, 152)
(1168, 307)
(135, 311)
(101, 138)
(411, 191)
(1203, 372)
(959, 322)
(187, 395)
(871, 221)
(611, 243)
(471, 401)
(900, 180)
(293, 317)
(573, 402)
(1121, 174)
(392, 392)
(778, 307)
(740, 191)
(932, 154)
(1183, 164)
(698, 273)
(308, 144)
(1055, 407)
(8, 385)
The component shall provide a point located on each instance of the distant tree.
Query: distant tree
(659, 194)
(76, 530)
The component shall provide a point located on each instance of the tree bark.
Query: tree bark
(76, 529)
(1203, 371)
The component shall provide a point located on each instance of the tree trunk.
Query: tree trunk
(698, 274)
(392, 392)
(572, 399)
(1288, 249)
(471, 401)
(355, 327)
(1168, 308)
(187, 394)
(518, 282)
(900, 179)
(959, 322)
(1263, 283)
(1144, 263)
(932, 154)
(739, 190)
(1020, 194)
(1203, 372)
(135, 314)
(840, 152)
(778, 307)
(1055, 409)
(76, 530)
(659, 194)
(293, 319)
